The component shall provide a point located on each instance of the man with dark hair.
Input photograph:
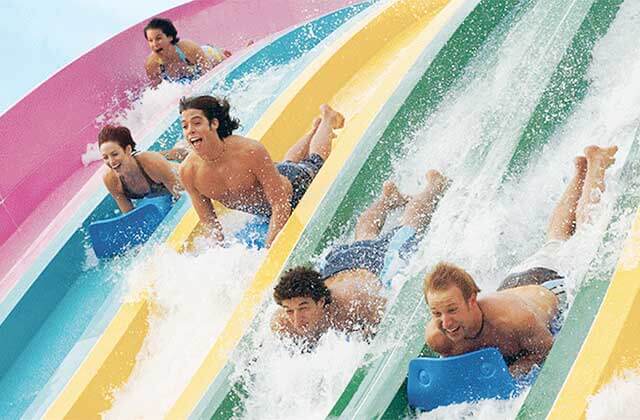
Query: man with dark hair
(239, 173)
(310, 308)
(522, 316)
(347, 293)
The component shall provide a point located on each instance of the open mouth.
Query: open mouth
(195, 141)
(158, 50)
(453, 331)
(116, 165)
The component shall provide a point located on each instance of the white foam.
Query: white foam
(482, 410)
(193, 297)
(618, 399)
(285, 384)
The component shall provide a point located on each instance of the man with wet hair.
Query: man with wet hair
(347, 293)
(522, 316)
(310, 308)
(239, 173)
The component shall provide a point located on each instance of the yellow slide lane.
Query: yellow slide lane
(613, 343)
(356, 75)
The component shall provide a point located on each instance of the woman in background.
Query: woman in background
(174, 59)
(134, 175)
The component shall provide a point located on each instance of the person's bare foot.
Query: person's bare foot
(392, 196)
(437, 181)
(601, 156)
(334, 117)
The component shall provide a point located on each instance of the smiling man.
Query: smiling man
(239, 173)
(309, 307)
(522, 316)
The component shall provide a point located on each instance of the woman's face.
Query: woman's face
(114, 155)
(158, 41)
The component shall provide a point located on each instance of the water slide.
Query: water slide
(56, 298)
(502, 83)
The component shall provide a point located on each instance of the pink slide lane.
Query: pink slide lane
(44, 135)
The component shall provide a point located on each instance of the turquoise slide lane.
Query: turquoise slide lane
(65, 305)
(368, 394)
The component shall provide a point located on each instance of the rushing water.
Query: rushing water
(481, 225)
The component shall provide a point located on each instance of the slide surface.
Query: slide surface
(399, 69)
(56, 299)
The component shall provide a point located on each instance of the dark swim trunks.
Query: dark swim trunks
(366, 254)
(300, 174)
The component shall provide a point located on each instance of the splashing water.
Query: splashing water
(618, 399)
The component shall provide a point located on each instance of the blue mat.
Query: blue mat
(470, 377)
(115, 236)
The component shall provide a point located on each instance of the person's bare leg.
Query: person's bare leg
(598, 160)
(372, 220)
(300, 150)
(420, 207)
(562, 223)
(321, 140)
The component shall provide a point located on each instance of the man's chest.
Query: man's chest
(224, 180)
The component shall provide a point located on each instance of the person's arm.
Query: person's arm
(153, 72)
(536, 341)
(177, 153)
(274, 190)
(436, 340)
(115, 189)
(162, 171)
(196, 55)
(202, 205)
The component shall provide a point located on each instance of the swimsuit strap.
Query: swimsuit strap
(182, 55)
(150, 181)
(153, 186)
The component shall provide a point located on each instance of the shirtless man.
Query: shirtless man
(519, 317)
(346, 294)
(239, 173)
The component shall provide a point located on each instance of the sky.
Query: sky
(41, 37)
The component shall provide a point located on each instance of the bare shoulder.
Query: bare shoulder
(247, 147)
(150, 158)
(188, 45)
(112, 182)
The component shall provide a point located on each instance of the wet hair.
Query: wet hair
(213, 107)
(165, 25)
(445, 275)
(118, 134)
(301, 282)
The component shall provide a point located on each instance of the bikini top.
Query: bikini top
(155, 188)
(181, 79)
